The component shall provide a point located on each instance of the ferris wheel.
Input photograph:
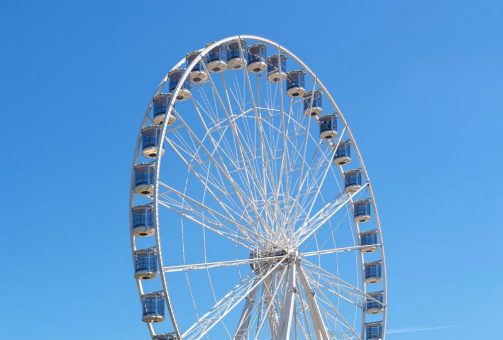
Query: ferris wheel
(252, 213)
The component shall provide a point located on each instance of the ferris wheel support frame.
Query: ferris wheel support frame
(294, 269)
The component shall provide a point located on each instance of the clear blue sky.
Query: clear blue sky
(420, 83)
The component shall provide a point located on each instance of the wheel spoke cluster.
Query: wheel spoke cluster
(244, 164)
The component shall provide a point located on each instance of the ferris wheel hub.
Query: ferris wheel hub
(266, 259)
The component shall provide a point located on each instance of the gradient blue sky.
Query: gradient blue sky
(420, 83)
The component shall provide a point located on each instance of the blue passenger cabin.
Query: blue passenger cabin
(216, 58)
(153, 307)
(257, 58)
(145, 263)
(174, 78)
(237, 54)
(343, 153)
(374, 330)
(295, 82)
(313, 104)
(144, 175)
(362, 211)
(375, 302)
(373, 271)
(143, 220)
(198, 74)
(328, 126)
(160, 109)
(369, 240)
(150, 138)
(352, 180)
(276, 68)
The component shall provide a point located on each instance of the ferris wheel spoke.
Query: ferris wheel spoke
(242, 106)
(218, 264)
(204, 324)
(312, 224)
(264, 147)
(286, 157)
(240, 169)
(268, 181)
(244, 199)
(223, 307)
(220, 129)
(221, 195)
(341, 324)
(197, 161)
(284, 127)
(218, 146)
(230, 236)
(333, 251)
(336, 328)
(178, 142)
(337, 286)
(308, 173)
(324, 214)
(243, 146)
(284, 168)
(265, 168)
(198, 212)
(243, 152)
(194, 164)
(316, 180)
(281, 196)
(304, 154)
(321, 181)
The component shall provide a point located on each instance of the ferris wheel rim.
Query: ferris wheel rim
(203, 52)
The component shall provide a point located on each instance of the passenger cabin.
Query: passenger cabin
(362, 211)
(352, 180)
(237, 54)
(374, 330)
(373, 272)
(295, 83)
(328, 126)
(198, 74)
(369, 241)
(145, 263)
(217, 57)
(150, 138)
(153, 307)
(257, 58)
(143, 220)
(174, 78)
(144, 175)
(276, 68)
(375, 303)
(160, 109)
(313, 104)
(343, 153)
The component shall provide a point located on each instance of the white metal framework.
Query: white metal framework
(265, 233)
